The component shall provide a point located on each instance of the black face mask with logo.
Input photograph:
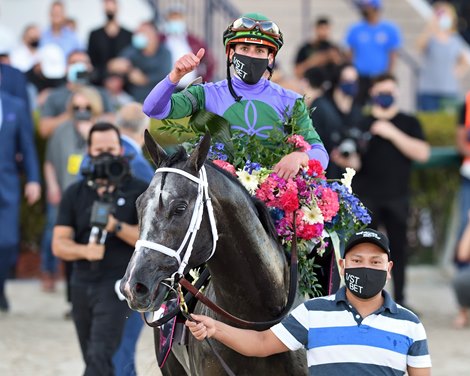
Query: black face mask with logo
(249, 69)
(365, 283)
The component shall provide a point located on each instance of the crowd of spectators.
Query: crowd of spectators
(349, 87)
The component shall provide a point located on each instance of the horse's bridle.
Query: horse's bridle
(188, 240)
(178, 278)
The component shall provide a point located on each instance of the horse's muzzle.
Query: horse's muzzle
(141, 298)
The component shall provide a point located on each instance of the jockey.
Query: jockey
(249, 101)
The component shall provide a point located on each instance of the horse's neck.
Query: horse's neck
(248, 269)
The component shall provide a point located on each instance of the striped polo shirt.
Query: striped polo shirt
(340, 342)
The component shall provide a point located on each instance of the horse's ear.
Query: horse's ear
(156, 151)
(199, 155)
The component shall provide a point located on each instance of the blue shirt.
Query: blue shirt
(67, 40)
(339, 342)
(371, 45)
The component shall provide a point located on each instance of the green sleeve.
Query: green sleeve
(181, 105)
(305, 126)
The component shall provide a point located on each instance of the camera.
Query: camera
(105, 170)
(107, 167)
(353, 140)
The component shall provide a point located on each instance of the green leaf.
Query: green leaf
(218, 127)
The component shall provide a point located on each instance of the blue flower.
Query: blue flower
(251, 166)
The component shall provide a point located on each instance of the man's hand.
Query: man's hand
(384, 129)
(54, 195)
(290, 164)
(186, 64)
(112, 221)
(205, 327)
(137, 77)
(94, 252)
(32, 192)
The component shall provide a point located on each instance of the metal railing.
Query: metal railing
(206, 19)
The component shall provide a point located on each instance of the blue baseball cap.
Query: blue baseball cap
(377, 4)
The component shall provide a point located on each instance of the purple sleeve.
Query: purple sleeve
(158, 103)
(319, 153)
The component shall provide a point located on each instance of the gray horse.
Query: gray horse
(249, 271)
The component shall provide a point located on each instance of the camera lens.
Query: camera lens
(115, 169)
(347, 147)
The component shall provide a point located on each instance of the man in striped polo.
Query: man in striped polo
(359, 330)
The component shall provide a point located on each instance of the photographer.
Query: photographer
(96, 229)
(384, 169)
(336, 116)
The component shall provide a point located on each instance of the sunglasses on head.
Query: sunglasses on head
(247, 24)
(81, 108)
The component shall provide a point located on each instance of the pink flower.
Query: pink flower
(225, 166)
(299, 142)
(289, 201)
(327, 202)
(307, 231)
(315, 169)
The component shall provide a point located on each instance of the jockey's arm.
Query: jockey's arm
(162, 103)
(243, 341)
(307, 130)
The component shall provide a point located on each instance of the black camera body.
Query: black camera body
(106, 171)
(107, 168)
(353, 140)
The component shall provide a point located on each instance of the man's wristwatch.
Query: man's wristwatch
(117, 227)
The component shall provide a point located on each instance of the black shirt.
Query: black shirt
(75, 212)
(332, 125)
(385, 171)
(102, 48)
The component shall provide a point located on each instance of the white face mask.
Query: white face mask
(445, 22)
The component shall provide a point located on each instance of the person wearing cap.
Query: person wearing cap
(251, 103)
(79, 73)
(359, 330)
(373, 44)
(25, 55)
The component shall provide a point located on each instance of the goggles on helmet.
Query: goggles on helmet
(247, 24)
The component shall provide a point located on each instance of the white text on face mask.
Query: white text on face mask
(353, 280)
(238, 65)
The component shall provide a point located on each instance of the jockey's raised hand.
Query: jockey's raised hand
(186, 64)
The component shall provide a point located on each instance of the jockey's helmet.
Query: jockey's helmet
(253, 28)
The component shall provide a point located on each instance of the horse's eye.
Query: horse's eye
(180, 209)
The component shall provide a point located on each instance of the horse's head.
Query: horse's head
(171, 206)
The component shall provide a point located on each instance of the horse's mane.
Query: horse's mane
(180, 155)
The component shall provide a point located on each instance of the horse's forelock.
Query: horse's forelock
(180, 155)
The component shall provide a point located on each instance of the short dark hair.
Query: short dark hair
(103, 126)
(322, 21)
(384, 77)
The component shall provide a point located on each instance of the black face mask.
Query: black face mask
(110, 16)
(249, 69)
(82, 115)
(384, 100)
(365, 282)
(34, 43)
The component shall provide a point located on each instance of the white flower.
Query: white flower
(250, 182)
(347, 178)
(312, 215)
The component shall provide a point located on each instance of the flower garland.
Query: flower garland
(320, 206)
